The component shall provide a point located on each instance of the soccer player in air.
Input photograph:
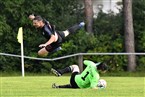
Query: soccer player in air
(89, 78)
(55, 38)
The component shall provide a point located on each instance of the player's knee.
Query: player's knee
(75, 68)
(40, 53)
(66, 33)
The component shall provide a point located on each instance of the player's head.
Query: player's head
(38, 22)
(102, 66)
(102, 83)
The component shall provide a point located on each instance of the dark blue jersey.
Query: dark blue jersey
(47, 31)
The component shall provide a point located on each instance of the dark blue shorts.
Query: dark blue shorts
(52, 48)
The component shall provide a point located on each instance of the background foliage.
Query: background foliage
(108, 35)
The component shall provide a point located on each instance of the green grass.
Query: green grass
(40, 86)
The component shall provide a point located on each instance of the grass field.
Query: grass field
(40, 86)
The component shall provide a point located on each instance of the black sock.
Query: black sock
(65, 86)
(65, 70)
(74, 28)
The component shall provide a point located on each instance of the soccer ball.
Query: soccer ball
(102, 83)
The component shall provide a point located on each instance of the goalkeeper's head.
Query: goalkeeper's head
(102, 66)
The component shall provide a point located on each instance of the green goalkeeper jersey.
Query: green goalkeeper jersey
(89, 77)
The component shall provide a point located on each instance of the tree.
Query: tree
(89, 14)
(129, 34)
(62, 13)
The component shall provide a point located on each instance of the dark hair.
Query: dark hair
(102, 66)
(38, 18)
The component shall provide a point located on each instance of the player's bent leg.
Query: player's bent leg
(75, 68)
(76, 27)
(55, 72)
(60, 72)
(73, 29)
(43, 52)
(66, 33)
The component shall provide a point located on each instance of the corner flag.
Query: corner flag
(20, 35)
(20, 40)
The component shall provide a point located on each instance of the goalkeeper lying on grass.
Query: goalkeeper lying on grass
(89, 78)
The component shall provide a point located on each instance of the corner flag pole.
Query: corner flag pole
(20, 40)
